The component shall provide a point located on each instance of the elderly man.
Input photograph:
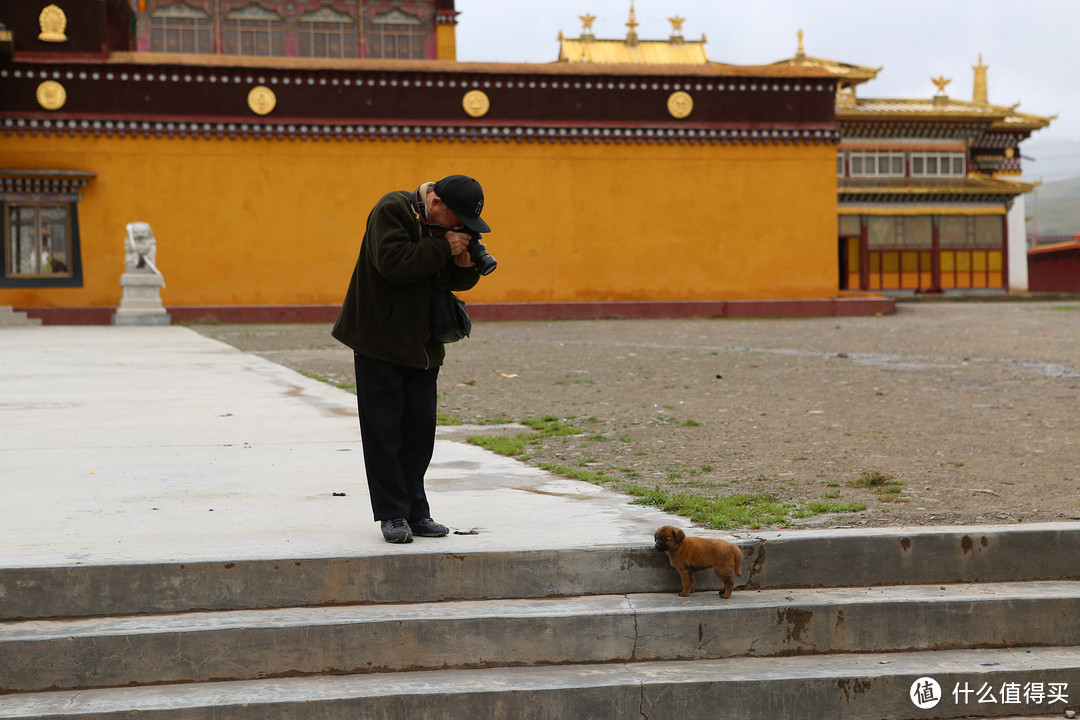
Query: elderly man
(413, 242)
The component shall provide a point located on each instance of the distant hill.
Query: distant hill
(1056, 205)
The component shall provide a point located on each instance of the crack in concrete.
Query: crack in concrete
(758, 565)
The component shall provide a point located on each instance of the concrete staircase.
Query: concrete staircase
(9, 317)
(832, 624)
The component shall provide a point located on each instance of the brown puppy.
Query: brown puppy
(689, 554)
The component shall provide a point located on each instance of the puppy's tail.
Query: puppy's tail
(738, 561)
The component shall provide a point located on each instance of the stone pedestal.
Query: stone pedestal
(140, 303)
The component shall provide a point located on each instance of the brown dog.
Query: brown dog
(690, 554)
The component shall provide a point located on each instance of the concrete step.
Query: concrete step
(252, 644)
(840, 686)
(9, 317)
(790, 559)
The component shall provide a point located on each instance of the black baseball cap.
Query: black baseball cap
(465, 197)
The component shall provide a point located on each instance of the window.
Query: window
(39, 221)
(879, 163)
(180, 28)
(328, 34)
(839, 164)
(937, 164)
(40, 246)
(396, 35)
(254, 31)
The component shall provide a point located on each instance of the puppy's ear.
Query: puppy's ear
(678, 535)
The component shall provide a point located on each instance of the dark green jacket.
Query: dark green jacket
(387, 310)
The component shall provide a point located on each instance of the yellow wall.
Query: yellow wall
(279, 222)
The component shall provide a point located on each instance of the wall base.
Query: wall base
(826, 307)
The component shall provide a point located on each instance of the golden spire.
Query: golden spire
(631, 36)
(979, 94)
(800, 53)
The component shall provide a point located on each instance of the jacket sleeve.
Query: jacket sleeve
(399, 253)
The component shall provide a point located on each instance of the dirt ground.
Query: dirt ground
(944, 413)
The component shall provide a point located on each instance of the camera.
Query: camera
(479, 254)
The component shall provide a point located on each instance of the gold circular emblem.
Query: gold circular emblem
(680, 104)
(51, 95)
(476, 103)
(261, 100)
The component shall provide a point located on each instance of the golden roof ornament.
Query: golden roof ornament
(941, 98)
(586, 26)
(676, 29)
(979, 94)
(800, 54)
(53, 22)
(631, 35)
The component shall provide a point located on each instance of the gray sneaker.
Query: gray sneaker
(396, 531)
(429, 528)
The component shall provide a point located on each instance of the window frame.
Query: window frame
(179, 17)
(938, 158)
(255, 24)
(876, 158)
(400, 27)
(327, 24)
(74, 275)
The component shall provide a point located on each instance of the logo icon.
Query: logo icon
(925, 693)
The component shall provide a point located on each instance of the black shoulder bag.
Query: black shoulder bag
(449, 318)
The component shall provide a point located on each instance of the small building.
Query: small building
(928, 199)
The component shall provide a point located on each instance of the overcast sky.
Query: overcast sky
(1030, 46)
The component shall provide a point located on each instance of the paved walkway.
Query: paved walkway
(132, 444)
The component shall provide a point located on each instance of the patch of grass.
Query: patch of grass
(690, 423)
(874, 479)
(514, 447)
(721, 513)
(831, 494)
(590, 476)
(445, 418)
(517, 446)
(885, 485)
(823, 508)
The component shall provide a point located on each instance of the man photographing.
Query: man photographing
(413, 242)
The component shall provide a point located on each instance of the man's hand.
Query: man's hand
(459, 243)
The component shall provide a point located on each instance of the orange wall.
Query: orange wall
(279, 222)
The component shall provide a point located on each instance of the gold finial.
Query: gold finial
(941, 81)
(979, 94)
(800, 53)
(676, 29)
(53, 21)
(586, 22)
(631, 36)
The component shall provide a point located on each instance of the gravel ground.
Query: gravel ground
(944, 413)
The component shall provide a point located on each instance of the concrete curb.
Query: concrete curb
(830, 558)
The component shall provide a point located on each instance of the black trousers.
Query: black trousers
(396, 406)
